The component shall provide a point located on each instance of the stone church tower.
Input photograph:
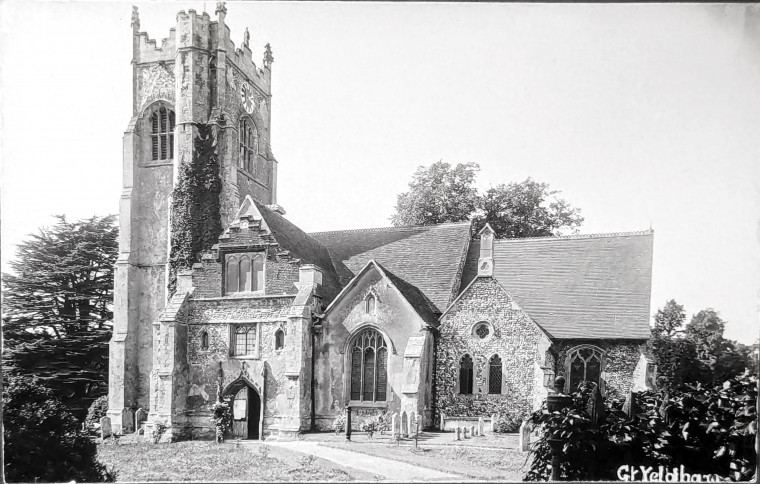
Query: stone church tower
(197, 81)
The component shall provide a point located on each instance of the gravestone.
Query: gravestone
(141, 415)
(404, 425)
(525, 430)
(410, 425)
(493, 422)
(443, 421)
(394, 426)
(127, 421)
(480, 426)
(472, 431)
(458, 430)
(464, 432)
(105, 427)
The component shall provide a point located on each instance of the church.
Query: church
(219, 296)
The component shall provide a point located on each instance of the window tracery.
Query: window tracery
(369, 367)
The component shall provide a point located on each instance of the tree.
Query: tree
(441, 193)
(527, 209)
(58, 308)
(676, 356)
(719, 358)
(669, 319)
(43, 441)
(438, 194)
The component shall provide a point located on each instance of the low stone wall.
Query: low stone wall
(451, 423)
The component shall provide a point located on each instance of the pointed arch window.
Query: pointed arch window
(249, 145)
(369, 367)
(584, 363)
(494, 375)
(279, 339)
(162, 134)
(465, 375)
(244, 273)
(370, 304)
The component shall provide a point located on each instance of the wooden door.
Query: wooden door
(240, 414)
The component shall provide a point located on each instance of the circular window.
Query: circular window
(482, 331)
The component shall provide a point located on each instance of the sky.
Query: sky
(642, 115)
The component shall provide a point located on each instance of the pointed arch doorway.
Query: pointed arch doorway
(246, 411)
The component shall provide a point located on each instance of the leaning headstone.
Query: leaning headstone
(525, 430)
(457, 432)
(105, 427)
(141, 415)
(480, 426)
(127, 421)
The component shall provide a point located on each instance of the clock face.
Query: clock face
(246, 96)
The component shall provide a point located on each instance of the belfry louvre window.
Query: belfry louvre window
(244, 273)
(249, 145)
(369, 367)
(465, 375)
(494, 375)
(162, 134)
(244, 340)
(585, 364)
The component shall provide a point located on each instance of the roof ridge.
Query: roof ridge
(581, 236)
(383, 229)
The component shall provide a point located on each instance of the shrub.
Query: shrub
(708, 430)
(43, 441)
(96, 411)
(339, 424)
(373, 424)
(222, 418)
(507, 424)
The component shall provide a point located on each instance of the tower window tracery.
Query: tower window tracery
(249, 145)
(162, 134)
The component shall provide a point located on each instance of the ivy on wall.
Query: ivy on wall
(196, 218)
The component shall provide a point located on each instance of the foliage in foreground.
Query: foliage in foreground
(57, 309)
(43, 441)
(708, 430)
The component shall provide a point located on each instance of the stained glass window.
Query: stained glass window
(465, 375)
(494, 375)
(369, 367)
(585, 365)
(162, 134)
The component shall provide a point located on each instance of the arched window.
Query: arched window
(584, 363)
(244, 273)
(370, 308)
(494, 375)
(204, 340)
(465, 375)
(279, 339)
(245, 340)
(249, 145)
(162, 134)
(369, 367)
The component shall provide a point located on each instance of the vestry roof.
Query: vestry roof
(428, 258)
(595, 286)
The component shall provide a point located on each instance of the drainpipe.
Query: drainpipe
(316, 328)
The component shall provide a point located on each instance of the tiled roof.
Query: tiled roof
(426, 257)
(590, 286)
(421, 304)
(301, 245)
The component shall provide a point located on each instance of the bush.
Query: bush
(222, 418)
(709, 430)
(96, 411)
(43, 441)
(507, 424)
(339, 424)
(371, 425)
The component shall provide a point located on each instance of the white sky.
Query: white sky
(640, 114)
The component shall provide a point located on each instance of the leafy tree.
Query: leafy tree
(669, 319)
(43, 441)
(438, 194)
(527, 209)
(441, 193)
(58, 308)
(719, 358)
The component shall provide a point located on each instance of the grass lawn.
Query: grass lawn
(467, 461)
(208, 461)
